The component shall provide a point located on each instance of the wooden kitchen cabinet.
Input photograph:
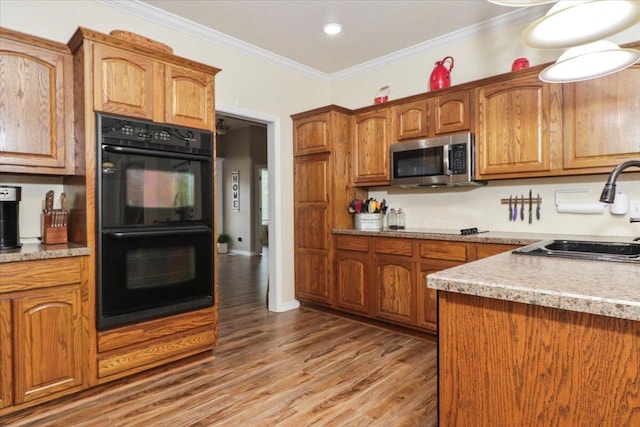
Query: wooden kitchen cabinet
(41, 331)
(371, 143)
(517, 126)
(353, 290)
(6, 354)
(37, 105)
(322, 193)
(131, 84)
(427, 297)
(452, 112)
(503, 363)
(412, 120)
(601, 128)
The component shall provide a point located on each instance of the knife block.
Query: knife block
(53, 234)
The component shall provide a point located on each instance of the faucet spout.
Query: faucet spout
(609, 190)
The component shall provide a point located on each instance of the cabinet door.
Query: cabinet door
(396, 289)
(601, 122)
(189, 98)
(372, 139)
(124, 82)
(352, 281)
(36, 111)
(412, 120)
(47, 342)
(311, 135)
(452, 112)
(6, 377)
(484, 250)
(513, 135)
(428, 298)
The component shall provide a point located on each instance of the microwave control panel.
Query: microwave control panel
(458, 159)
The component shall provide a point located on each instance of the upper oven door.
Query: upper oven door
(152, 188)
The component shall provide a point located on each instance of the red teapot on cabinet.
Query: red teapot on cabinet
(441, 75)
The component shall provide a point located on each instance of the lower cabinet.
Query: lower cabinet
(41, 339)
(384, 278)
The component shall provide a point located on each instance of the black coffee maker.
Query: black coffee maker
(9, 210)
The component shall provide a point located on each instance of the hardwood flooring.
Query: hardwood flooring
(298, 368)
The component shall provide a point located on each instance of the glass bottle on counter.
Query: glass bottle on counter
(395, 219)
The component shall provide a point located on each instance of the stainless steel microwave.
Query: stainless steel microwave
(440, 161)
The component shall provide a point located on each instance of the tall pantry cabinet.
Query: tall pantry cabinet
(322, 192)
(131, 78)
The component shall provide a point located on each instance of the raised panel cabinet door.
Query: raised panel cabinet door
(352, 281)
(396, 289)
(311, 182)
(452, 112)
(47, 339)
(189, 98)
(6, 354)
(36, 111)
(372, 140)
(312, 276)
(512, 134)
(311, 135)
(427, 297)
(601, 124)
(412, 120)
(124, 82)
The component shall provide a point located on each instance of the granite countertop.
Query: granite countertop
(35, 251)
(597, 287)
(501, 237)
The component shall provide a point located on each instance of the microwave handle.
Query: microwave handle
(155, 153)
(446, 155)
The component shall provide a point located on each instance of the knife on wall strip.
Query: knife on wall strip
(510, 208)
(522, 209)
(515, 210)
(530, 208)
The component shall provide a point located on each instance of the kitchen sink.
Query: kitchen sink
(581, 249)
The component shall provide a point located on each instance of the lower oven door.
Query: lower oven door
(153, 273)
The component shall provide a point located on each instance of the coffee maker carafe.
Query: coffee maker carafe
(9, 210)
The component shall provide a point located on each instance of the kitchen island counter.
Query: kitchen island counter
(595, 287)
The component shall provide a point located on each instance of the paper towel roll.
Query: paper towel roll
(620, 205)
(586, 208)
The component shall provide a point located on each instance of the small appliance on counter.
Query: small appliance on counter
(9, 217)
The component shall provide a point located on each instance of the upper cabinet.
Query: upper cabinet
(36, 112)
(312, 135)
(434, 115)
(517, 123)
(135, 84)
(601, 122)
(371, 143)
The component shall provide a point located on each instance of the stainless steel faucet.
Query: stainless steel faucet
(609, 190)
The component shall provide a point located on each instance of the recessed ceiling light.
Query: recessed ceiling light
(332, 29)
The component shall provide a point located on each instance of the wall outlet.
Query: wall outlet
(634, 210)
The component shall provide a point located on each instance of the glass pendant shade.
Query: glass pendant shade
(589, 61)
(573, 23)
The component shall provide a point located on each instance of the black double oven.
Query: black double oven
(154, 220)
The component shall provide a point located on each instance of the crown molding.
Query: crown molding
(161, 17)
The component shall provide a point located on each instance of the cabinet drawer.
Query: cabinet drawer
(402, 247)
(24, 275)
(352, 243)
(444, 250)
(490, 249)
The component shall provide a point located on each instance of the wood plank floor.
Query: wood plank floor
(299, 368)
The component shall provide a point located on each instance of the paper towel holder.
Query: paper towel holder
(582, 208)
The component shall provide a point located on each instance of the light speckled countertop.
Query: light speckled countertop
(35, 251)
(596, 287)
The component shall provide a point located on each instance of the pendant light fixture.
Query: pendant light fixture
(589, 61)
(573, 23)
(222, 127)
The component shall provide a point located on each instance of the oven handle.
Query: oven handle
(156, 233)
(155, 153)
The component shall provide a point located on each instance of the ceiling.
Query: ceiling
(372, 30)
